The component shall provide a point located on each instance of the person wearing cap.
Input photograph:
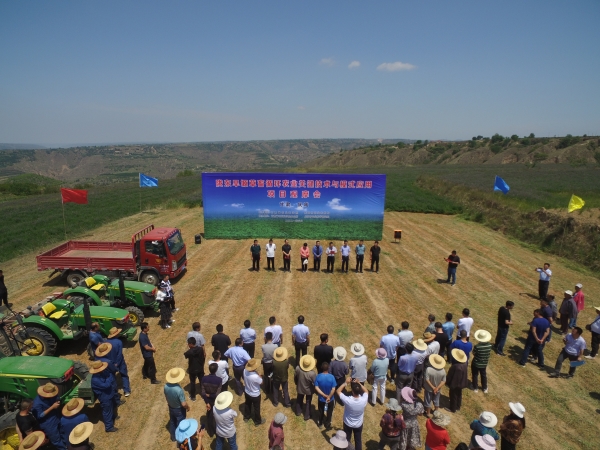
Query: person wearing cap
(33, 441)
(539, 329)
(300, 338)
(340, 441)
(72, 416)
(437, 437)
(420, 352)
(392, 426)
(305, 377)
(304, 254)
(504, 323)
(46, 409)
(267, 360)
(175, 396)
(103, 385)
(79, 437)
(457, 379)
(225, 420)
(210, 388)
(248, 336)
(354, 409)
(358, 363)
(579, 299)
(148, 350)
(338, 367)
(276, 435)
(379, 368)
(411, 409)
(435, 379)
(195, 357)
(325, 386)
(116, 355)
(544, 281)
(567, 310)
(481, 358)
(323, 352)
(317, 252)
(594, 327)
(252, 382)
(484, 426)
(188, 436)
(280, 376)
(462, 343)
(512, 427)
(390, 342)
(406, 369)
(239, 359)
(573, 351)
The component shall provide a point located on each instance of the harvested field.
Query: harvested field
(220, 288)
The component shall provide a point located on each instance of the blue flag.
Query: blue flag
(146, 181)
(500, 185)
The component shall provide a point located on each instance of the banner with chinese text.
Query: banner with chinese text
(296, 206)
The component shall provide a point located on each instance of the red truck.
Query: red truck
(151, 254)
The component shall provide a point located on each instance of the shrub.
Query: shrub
(514, 137)
(525, 141)
(496, 148)
(497, 138)
(185, 173)
(567, 141)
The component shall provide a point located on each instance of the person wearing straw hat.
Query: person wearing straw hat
(379, 368)
(305, 377)
(239, 359)
(481, 357)
(573, 351)
(79, 437)
(594, 327)
(280, 376)
(484, 426)
(325, 386)
(103, 385)
(340, 441)
(462, 343)
(512, 427)
(102, 354)
(34, 441)
(210, 389)
(358, 363)
(420, 353)
(46, 409)
(485, 442)
(338, 367)
(437, 435)
(225, 420)
(539, 329)
(435, 378)
(579, 300)
(188, 436)
(116, 355)
(275, 434)
(354, 409)
(392, 426)
(252, 382)
(323, 352)
(175, 399)
(457, 379)
(72, 416)
(411, 409)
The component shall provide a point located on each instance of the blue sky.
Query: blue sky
(89, 72)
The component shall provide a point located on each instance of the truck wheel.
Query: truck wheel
(135, 315)
(150, 278)
(74, 278)
(39, 343)
(8, 421)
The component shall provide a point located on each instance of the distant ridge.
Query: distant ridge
(21, 147)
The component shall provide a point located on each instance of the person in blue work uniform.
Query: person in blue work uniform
(95, 339)
(116, 355)
(46, 409)
(103, 354)
(103, 385)
(72, 416)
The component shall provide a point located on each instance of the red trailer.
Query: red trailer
(151, 254)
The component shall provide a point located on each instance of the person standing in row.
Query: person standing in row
(594, 327)
(248, 336)
(195, 333)
(435, 379)
(3, 291)
(406, 337)
(166, 285)
(175, 396)
(544, 282)
(116, 355)
(437, 436)
(304, 254)
(457, 379)
(484, 426)
(512, 426)
(317, 251)
(239, 359)
(453, 261)
(270, 250)
(573, 351)
(275, 330)
(465, 322)
(222, 368)
(286, 248)
(358, 363)
(360, 256)
(325, 387)
(267, 360)
(338, 367)
(195, 357)
(220, 341)
(539, 328)
(579, 299)
(406, 369)
(390, 342)
(255, 255)
(330, 252)
(104, 386)
(431, 327)
(225, 421)
(305, 377)
(441, 338)
(211, 387)
(323, 352)
(95, 338)
(375, 251)
(568, 311)
(379, 368)
(354, 409)
(448, 327)
(504, 323)
(252, 382)
(148, 350)
(345, 250)
(462, 343)
(411, 409)
(300, 339)
(280, 376)
(46, 409)
(481, 357)
(276, 435)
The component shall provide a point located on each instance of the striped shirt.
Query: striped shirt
(481, 354)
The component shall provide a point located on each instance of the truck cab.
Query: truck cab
(159, 252)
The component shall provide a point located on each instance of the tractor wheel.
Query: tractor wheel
(74, 278)
(9, 422)
(39, 343)
(150, 278)
(80, 370)
(135, 315)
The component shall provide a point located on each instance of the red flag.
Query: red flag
(74, 196)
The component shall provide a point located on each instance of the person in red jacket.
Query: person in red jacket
(437, 435)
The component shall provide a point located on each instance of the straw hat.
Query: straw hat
(393, 405)
(339, 353)
(98, 366)
(186, 429)
(357, 349)
(408, 394)
(420, 344)
(427, 336)
(32, 441)
(307, 363)
(459, 355)
(488, 419)
(74, 407)
(175, 375)
(437, 362)
(114, 331)
(253, 364)
(81, 432)
(48, 390)
(103, 349)
(597, 308)
(223, 400)
(280, 418)
(483, 336)
(441, 420)
(339, 439)
(381, 353)
(517, 408)
(486, 442)
(280, 354)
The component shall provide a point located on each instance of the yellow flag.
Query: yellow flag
(575, 203)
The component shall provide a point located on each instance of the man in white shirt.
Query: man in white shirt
(544, 283)
(405, 336)
(270, 248)
(224, 419)
(275, 330)
(300, 339)
(345, 256)
(354, 409)
(465, 323)
(252, 382)
(573, 351)
(223, 369)
(330, 252)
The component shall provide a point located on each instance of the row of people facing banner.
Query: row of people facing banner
(317, 253)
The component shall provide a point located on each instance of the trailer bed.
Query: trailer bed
(96, 254)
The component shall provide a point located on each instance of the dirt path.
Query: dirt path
(220, 288)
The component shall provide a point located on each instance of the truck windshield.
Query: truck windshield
(175, 243)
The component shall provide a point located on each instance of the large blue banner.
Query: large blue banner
(284, 205)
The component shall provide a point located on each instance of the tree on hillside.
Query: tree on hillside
(400, 145)
(531, 136)
(496, 138)
(514, 137)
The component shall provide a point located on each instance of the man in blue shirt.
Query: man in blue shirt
(360, 256)
(104, 387)
(300, 339)
(325, 387)
(462, 344)
(345, 249)
(538, 332)
(573, 351)
(148, 350)
(406, 368)
(239, 357)
(390, 342)
(248, 336)
(317, 253)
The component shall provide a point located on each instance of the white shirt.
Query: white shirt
(330, 251)
(574, 346)
(545, 274)
(276, 331)
(271, 250)
(464, 324)
(222, 370)
(354, 409)
(252, 382)
(300, 332)
(596, 325)
(433, 348)
(405, 337)
(224, 419)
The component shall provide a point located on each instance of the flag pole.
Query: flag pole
(63, 209)
(140, 180)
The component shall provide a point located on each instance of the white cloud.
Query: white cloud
(395, 66)
(329, 62)
(236, 205)
(354, 65)
(301, 208)
(301, 108)
(335, 204)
